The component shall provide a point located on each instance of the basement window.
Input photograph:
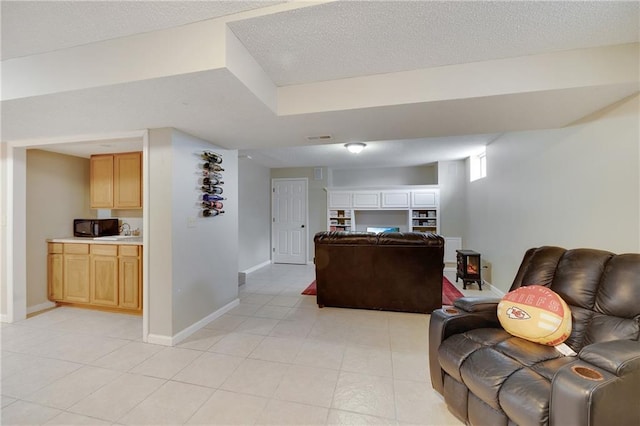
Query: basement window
(478, 166)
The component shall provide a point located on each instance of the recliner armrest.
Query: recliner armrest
(618, 357)
(600, 388)
(447, 321)
(477, 304)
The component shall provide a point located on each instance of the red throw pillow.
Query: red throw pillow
(535, 313)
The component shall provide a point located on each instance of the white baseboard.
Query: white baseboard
(495, 290)
(256, 267)
(159, 339)
(41, 307)
(485, 284)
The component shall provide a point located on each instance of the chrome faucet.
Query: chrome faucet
(127, 231)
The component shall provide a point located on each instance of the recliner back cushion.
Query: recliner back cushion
(617, 305)
(601, 289)
(576, 280)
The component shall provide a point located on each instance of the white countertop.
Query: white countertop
(136, 241)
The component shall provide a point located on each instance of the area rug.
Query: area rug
(311, 290)
(449, 291)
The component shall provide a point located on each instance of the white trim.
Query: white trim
(485, 284)
(145, 235)
(161, 339)
(256, 267)
(17, 309)
(495, 290)
(204, 321)
(80, 138)
(307, 252)
(41, 307)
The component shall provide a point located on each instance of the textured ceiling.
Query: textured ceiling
(31, 27)
(318, 43)
(347, 39)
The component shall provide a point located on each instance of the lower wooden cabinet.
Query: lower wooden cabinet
(75, 272)
(104, 275)
(101, 275)
(55, 267)
(129, 282)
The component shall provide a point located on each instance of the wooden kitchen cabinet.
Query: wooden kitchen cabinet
(116, 181)
(101, 181)
(104, 275)
(54, 271)
(127, 174)
(76, 273)
(100, 275)
(129, 277)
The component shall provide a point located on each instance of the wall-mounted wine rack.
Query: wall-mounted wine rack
(212, 184)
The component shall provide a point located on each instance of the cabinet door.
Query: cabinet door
(76, 277)
(104, 280)
(428, 198)
(395, 199)
(366, 200)
(127, 180)
(129, 282)
(101, 181)
(55, 277)
(339, 200)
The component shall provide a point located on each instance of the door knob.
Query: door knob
(301, 226)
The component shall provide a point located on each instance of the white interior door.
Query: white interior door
(289, 219)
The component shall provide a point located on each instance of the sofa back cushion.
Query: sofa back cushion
(602, 290)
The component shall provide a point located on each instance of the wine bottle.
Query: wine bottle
(210, 173)
(210, 197)
(213, 157)
(211, 212)
(212, 166)
(212, 189)
(212, 205)
(212, 181)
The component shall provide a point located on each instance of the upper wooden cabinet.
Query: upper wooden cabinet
(116, 181)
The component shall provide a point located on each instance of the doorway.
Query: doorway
(289, 212)
(13, 203)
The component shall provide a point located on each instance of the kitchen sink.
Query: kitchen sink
(116, 237)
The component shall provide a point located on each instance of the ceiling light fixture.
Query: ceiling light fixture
(355, 147)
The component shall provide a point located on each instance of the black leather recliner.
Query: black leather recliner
(489, 377)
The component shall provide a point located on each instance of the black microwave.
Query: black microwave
(95, 227)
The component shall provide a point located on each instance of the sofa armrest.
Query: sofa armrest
(477, 304)
(618, 357)
(447, 321)
(600, 388)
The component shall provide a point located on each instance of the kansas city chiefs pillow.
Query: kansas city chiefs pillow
(535, 313)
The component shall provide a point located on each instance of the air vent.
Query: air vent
(320, 138)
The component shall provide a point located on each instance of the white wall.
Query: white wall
(57, 192)
(204, 249)
(573, 187)
(384, 176)
(159, 250)
(452, 184)
(254, 214)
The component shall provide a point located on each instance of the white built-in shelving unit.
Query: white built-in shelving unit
(410, 208)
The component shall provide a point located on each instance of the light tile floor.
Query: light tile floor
(275, 359)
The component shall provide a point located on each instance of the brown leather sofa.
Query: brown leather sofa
(390, 271)
(489, 377)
